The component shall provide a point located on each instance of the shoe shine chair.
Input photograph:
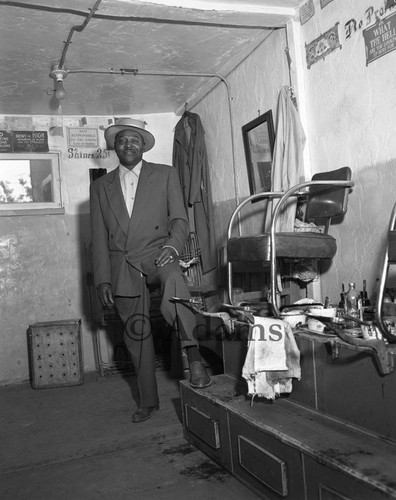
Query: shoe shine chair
(382, 310)
(325, 196)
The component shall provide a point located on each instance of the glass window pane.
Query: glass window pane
(26, 181)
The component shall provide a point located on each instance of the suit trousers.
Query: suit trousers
(135, 315)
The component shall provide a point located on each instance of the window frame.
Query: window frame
(37, 208)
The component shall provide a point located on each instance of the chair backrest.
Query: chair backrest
(325, 202)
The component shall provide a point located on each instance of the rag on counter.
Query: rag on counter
(272, 359)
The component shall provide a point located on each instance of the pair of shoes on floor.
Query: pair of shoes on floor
(142, 414)
(199, 377)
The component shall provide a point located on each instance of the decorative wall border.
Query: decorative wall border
(322, 46)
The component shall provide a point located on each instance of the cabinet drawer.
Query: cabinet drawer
(203, 426)
(264, 463)
(325, 483)
(206, 426)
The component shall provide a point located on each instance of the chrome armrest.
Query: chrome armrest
(266, 195)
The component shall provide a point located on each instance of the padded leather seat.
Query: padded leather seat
(292, 245)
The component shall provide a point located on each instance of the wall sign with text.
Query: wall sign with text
(82, 137)
(371, 16)
(23, 141)
(380, 39)
(98, 154)
(5, 142)
(307, 11)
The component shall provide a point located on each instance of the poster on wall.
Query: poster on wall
(82, 137)
(307, 11)
(380, 39)
(28, 141)
(323, 3)
(322, 46)
(5, 142)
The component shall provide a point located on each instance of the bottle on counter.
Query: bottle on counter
(365, 300)
(352, 304)
(341, 304)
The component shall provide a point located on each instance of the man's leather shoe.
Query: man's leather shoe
(199, 377)
(142, 414)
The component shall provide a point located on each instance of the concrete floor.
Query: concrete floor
(78, 442)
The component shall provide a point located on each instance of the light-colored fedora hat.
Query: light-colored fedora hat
(129, 124)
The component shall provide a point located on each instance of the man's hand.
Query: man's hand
(166, 255)
(105, 295)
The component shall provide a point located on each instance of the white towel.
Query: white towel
(288, 160)
(272, 359)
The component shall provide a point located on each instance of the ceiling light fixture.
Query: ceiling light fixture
(58, 75)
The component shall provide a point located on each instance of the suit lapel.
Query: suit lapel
(116, 199)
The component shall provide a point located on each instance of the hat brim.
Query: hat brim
(112, 131)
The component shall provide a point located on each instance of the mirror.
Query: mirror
(30, 182)
(258, 139)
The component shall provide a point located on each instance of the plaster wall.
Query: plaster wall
(254, 87)
(44, 260)
(351, 121)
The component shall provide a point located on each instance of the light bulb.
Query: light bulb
(60, 92)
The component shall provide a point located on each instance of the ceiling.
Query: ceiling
(96, 44)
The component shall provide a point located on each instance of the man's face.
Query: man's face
(129, 147)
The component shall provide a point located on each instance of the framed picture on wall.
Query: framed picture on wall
(258, 140)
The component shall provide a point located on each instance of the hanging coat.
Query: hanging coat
(190, 159)
(287, 166)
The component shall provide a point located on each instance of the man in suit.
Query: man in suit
(139, 228)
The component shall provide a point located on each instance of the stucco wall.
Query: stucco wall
(351, 121)
(43, 259)
(254, 87)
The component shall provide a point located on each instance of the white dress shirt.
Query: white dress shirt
(129, 180)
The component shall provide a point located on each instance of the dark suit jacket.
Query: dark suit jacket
(123, 247)
(191, 161)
